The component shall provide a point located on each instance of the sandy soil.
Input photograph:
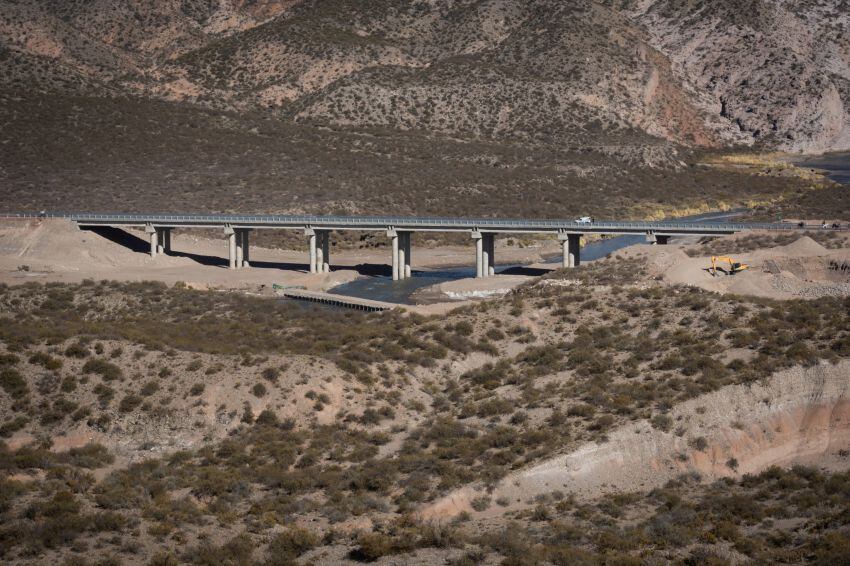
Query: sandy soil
(800, 416)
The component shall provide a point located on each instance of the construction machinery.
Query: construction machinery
(734, 266)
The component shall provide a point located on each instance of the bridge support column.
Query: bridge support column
(320, 251)
(571, 245)
(575, 250)
(393, 235)
(325, 264)
(479, 254)
(153, 234)
(407, 255)
(311, 234)
(246, 248)
(240, 248)
(657, 239)
(166, 240)
(490, 244)
(160, 240)
(230, 233)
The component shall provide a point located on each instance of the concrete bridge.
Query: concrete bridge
(317, 229)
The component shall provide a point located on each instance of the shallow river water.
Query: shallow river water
(836, 164)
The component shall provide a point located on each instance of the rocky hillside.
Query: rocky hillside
(709, 74)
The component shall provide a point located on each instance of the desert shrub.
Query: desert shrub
(46, 361)
(129, 403)
(267, 417)
(194, 365)
(699, 443)
(149, 389)
(13, 383)
(372, 546)
(104, 393)
(662, 422)
(271, 374)
(106, 370)
(196, 389)
(582, 410)
(238, 550)
(481, 503)
(77, 350)
(13, 425)
(259, 390)
(92, 455)
(291, 543)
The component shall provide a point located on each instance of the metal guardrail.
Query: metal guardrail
(432, 223)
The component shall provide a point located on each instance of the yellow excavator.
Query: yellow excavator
(734, 266)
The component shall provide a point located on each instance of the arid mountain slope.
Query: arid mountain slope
(767, 72)
(778, 71)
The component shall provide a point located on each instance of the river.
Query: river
(837, 166)
(383, 288)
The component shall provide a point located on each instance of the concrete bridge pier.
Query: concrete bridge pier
(311, 235)
(230, 233)
(323, 263)
(490, 248)
(479, 254)
(246, 247)
(400, 253)
(153, 234)
(485, 252)
(657, 239)
(242, 258)
(403, 260)
(571, 245)
(165, 240)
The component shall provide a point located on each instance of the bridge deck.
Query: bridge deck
(672, 228)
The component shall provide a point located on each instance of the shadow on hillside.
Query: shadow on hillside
(139, 245)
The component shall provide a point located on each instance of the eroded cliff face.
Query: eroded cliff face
(800, 416)
(777, 72)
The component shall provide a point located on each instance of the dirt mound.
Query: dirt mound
(57, 245)
(801, 416)
(804, 247)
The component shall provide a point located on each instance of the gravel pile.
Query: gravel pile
(810, 290)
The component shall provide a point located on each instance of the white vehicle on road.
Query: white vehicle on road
(584, 220)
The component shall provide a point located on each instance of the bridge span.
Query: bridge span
(317, 229)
